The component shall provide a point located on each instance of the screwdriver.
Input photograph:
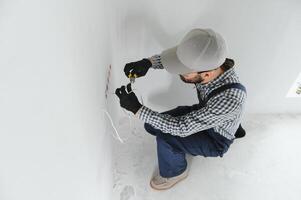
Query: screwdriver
(132, 77)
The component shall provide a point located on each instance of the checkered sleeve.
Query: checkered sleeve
(218, 110)
(156, 62)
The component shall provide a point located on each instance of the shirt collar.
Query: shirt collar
(220, 80)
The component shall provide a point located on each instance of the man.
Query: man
(207, 128)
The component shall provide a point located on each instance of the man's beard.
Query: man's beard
(197, 79)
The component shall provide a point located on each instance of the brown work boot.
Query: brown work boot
(160, 183)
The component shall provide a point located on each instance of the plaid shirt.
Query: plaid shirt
(222, 112)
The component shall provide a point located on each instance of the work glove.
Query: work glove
(137, 69)
(128, 99)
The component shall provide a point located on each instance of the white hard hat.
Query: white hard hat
(199, 50)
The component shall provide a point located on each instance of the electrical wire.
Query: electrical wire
(117, 137)
(115, 129)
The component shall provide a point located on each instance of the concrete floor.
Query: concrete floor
(264, 165)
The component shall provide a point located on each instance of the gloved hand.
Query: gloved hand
(137, 69)
(128, 99)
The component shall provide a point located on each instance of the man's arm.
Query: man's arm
(218, 110)
(156, 62)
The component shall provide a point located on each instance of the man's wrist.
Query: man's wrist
(147, 62)
(138, 111)
(156, 62)
(150, 59)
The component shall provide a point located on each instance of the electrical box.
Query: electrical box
(295, 90)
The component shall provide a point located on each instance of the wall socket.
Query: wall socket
(108, 81)
(295, 90)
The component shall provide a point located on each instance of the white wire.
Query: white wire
(109, 116)
(117, 137)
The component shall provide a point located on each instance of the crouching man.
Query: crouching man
(207, 128)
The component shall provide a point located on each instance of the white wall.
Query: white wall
(53, 60)
(263, 37)
(54, 139)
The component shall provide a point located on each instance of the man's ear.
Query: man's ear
(207, 74)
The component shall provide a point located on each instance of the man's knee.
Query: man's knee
(162, 143)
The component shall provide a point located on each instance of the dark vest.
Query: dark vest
(240, 131)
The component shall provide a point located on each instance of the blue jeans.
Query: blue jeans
(171, 150)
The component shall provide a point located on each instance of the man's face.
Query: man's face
(194, 77)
